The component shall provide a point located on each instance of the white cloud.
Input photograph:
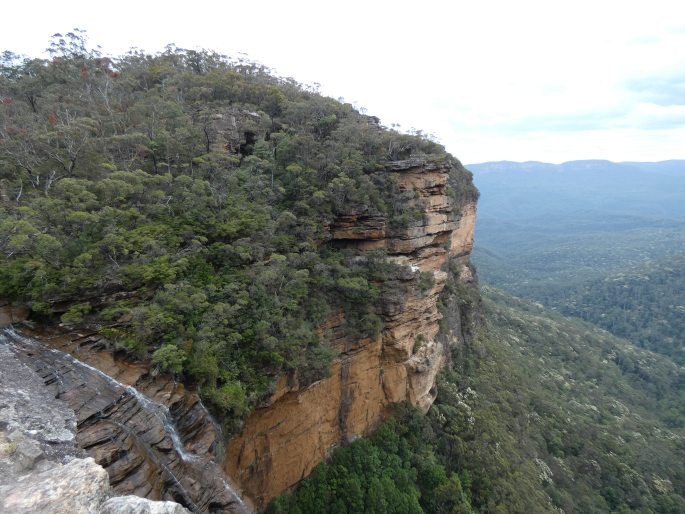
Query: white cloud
(492, 79)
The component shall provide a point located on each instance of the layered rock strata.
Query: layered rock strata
(42, 470)
(153, 438)
(282, 442)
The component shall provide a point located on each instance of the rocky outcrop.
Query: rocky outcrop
(198, 430)
(154, 440)
(12, 313)
(36, 430)
(136, 505)
(42, 470)
(281, 443)
(79, 487)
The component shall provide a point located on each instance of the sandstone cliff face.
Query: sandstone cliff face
(281, 443)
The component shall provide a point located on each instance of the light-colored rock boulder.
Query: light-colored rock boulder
(137, 505)
(78, 487)
(28, 453)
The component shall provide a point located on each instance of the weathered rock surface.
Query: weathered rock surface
(11, 313)
(136, 505)
(281, 443)
(35, 428)
(78, 487)
(133, 432)
(40, 466)
(462, 238)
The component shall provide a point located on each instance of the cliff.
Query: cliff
(282, 442)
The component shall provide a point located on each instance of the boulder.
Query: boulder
(137, 505)
(79, 487)
(27, 454)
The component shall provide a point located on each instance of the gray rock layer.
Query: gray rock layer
(37, 431)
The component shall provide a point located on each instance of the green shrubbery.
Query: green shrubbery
(396, 470)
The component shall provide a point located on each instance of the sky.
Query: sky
(492, 80)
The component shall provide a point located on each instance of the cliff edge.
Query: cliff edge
(282, 442)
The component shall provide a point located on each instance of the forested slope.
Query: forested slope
(644, 305)
(593, 239)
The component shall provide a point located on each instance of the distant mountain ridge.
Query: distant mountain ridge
(668, 166)
(553, 194)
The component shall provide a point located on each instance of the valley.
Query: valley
(235, 294)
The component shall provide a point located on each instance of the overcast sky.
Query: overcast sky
(493, 80)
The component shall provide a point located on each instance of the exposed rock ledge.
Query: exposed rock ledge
(11, 313)
(42, 470)
(282, 442)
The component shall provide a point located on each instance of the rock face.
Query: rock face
(11, 313)
(136, 505)
(155, 440)
(79, 487)
(33, 423)
(42, 470)
(281, 443)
